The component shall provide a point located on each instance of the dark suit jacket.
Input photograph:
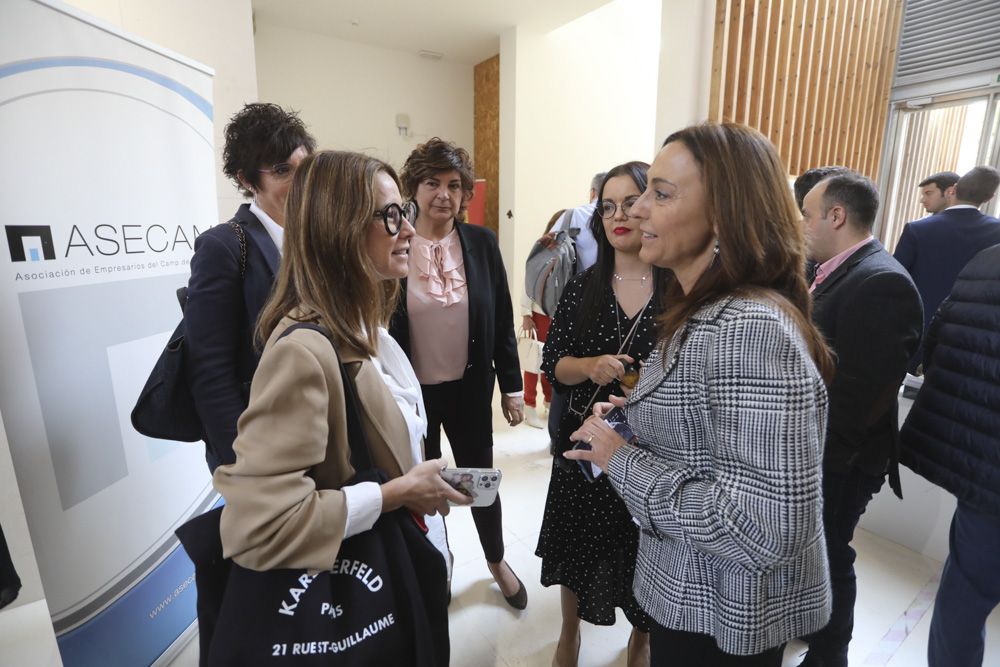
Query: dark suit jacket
(492, 343)
(221, 313)
(936, 248)
(869, 311)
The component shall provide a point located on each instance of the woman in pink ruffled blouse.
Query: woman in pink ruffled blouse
(456, 323)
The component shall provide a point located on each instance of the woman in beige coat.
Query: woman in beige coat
(288, 502)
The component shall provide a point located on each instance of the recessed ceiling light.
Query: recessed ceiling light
(430, 55)
(355, 22)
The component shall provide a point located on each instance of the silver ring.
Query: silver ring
(590, 439)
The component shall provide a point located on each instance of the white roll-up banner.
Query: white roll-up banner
(107, 178)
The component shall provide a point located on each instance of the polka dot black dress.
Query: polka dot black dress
(588, 540)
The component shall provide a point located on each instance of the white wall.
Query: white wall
(349, 94)
(574, 101)
(687, 34)
(218, 34)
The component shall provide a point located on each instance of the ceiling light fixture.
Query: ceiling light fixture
(430, 55)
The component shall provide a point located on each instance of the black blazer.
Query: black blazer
(870, 313)
(221, 313)
(492, 343)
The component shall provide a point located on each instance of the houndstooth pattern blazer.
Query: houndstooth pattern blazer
(726, 485)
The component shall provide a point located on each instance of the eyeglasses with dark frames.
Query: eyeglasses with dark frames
(608, 207)
(392, 216)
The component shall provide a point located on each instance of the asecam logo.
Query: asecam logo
(30, 243)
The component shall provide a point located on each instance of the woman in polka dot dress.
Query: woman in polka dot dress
(604, 327)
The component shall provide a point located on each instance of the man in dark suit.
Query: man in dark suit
(869, 312)
(806, 181)
(934, 249)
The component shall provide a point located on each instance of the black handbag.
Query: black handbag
(165, 408)
(384, 602)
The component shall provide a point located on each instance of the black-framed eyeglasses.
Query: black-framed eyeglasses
(281, 171)
(608, 207)
(392, 216)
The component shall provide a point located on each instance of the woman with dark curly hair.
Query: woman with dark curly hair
(456, 323)
(233, 269)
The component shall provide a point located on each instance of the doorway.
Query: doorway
(931, 135)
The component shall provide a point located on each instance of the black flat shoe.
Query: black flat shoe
(518, 600)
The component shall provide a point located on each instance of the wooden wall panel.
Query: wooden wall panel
(486, 133)
(812, 75)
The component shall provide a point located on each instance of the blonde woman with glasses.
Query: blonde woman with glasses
(290, 501)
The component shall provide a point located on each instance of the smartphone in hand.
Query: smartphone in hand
(615, 418)
(480, 484)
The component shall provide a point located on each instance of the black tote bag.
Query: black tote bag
(384, 602)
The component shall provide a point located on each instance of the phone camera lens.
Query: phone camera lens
(487, 485)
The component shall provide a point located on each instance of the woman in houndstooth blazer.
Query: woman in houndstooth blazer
(730, 411)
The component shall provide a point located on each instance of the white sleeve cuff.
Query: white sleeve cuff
(364, 506)
(513, 394)
(525, 304)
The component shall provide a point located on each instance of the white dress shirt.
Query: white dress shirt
(364, 500)
(273, 229)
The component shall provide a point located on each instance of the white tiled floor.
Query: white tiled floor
(486, 632)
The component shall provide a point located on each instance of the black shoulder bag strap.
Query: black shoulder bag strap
(361, 458)
(241, 235)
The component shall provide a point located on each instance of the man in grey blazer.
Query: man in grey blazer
(869, 311)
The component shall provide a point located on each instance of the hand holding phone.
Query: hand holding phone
(480, 484)
(601, 408)
(615, 418)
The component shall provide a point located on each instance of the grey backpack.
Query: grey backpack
(551, 265)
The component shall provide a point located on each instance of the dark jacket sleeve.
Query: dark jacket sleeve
(878, 330)
(932, 334)
(906, 249)
(505, 359)
(213, 320)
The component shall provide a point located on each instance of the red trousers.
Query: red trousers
(542, 323)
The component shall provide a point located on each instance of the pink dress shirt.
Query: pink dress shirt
(824, 270)
(437, 301)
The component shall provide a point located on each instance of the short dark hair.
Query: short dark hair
(433, 157)
(943, 180)
(978, 185)
(809, 178)
(261, 134)
(856, 193)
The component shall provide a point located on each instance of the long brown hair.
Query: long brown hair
(759, 229)
(325, 268)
